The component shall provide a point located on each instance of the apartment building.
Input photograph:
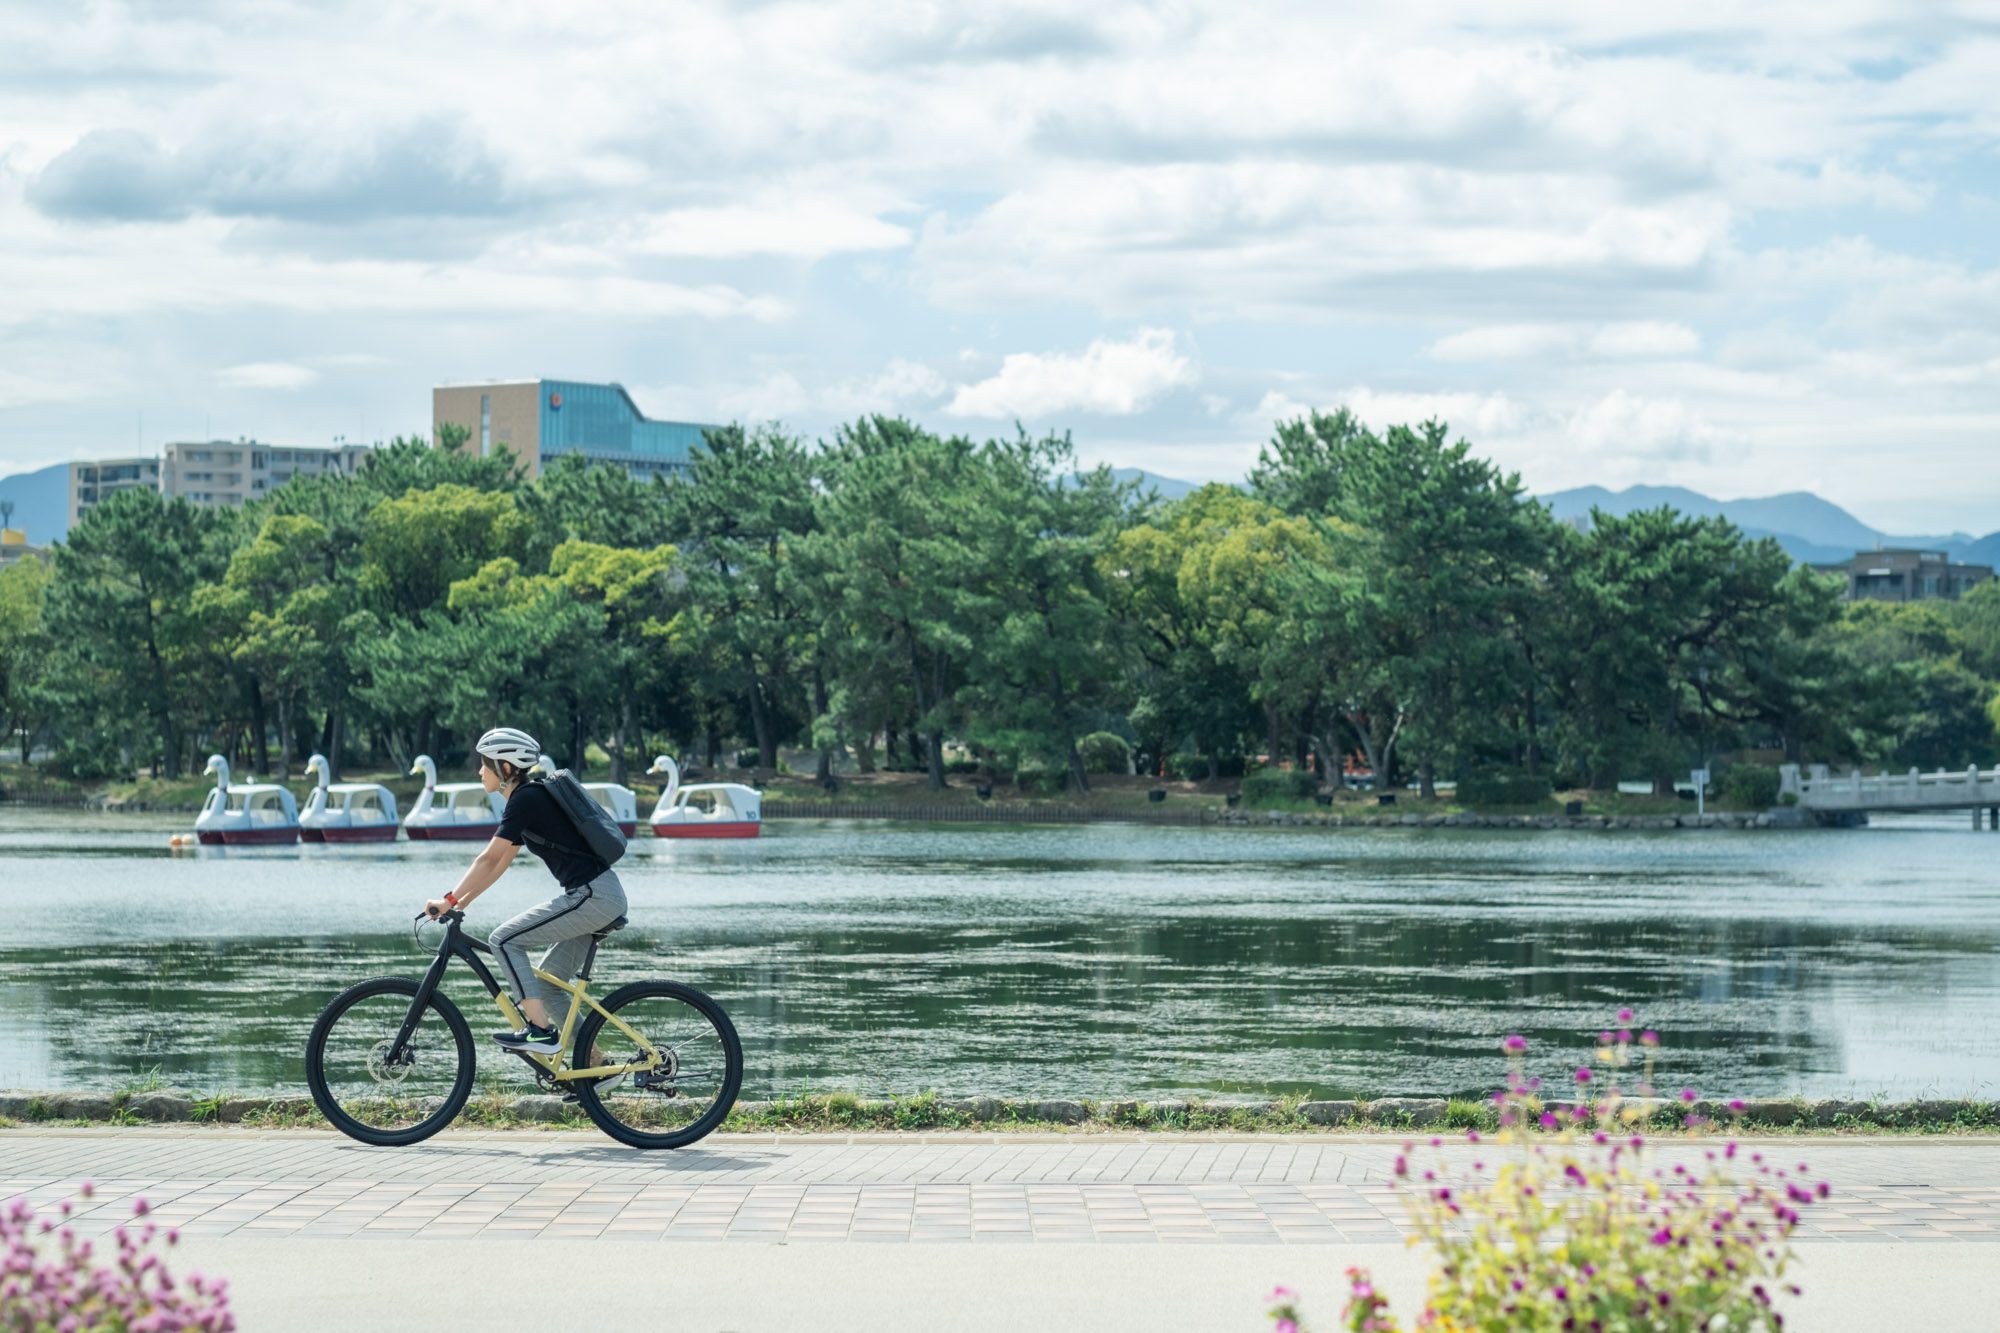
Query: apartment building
(97, 480)
(217, 473)
(224, 474)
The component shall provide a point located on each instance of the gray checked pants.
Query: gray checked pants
(563, 925)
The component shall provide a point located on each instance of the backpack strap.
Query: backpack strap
(583, 852)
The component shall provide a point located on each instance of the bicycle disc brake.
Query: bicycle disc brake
(384, 1070)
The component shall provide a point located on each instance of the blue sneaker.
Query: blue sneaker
(532, 1039)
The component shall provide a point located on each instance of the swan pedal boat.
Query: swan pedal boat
(718, 810)
(245, 814)
(347, 811)
(453, 812)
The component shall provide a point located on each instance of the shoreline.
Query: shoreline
(925, 1113)
(1205, 817)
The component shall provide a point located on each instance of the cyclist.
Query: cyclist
(591, 897)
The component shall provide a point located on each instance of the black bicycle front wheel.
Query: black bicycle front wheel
(689, 1094)
(364, 1093)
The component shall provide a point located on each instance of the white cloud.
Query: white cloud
(1645, 338)
(1621, 423)
(1478, 416)
(1105, 379)
(280, 375)
(1517, 219)
(1635, 339)
(798, 229)
(1504, 342)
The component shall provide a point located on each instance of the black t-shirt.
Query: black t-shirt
(532, 810)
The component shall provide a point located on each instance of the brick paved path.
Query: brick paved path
(976, 1188)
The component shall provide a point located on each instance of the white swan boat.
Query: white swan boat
(245, 813)
(706, 809)
(618, 800)
(346, 811)
(454, 811)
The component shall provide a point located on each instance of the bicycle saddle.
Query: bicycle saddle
(619, 924)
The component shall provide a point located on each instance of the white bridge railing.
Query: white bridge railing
(1817, 788)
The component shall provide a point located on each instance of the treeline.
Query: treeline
(934, 603)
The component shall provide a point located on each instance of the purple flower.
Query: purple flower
(1687, 1095)
(1624, 1015)
(1583, 1076)
(1514, 1045)
(1736, 1105)
(1664, 1236)
(1649, 1039)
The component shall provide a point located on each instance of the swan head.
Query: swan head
(425, 767)
(546, 765)
(662, 764)
(316, 764)
(218, 766)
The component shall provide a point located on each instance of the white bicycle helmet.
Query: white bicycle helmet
(515, 747)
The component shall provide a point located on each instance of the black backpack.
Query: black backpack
(594, 824)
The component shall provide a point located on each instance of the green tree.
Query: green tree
(118, 609)
(739, 519)
(1176, 579)
(1976, 616)
(1936, 708)
(1667, 624)
(1304, 469)
(895, 534)
(272, 616)
(642, 601)
(579, 499)
(408, 463)
(1043, 670)
(416, 545)
(23, 650)
(1440, 544)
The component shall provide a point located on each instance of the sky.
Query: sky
(1746, 248)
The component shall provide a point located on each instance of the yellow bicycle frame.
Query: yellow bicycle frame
(580, 998)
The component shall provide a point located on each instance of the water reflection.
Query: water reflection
(1090, 961)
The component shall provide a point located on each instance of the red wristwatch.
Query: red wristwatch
(450, 898)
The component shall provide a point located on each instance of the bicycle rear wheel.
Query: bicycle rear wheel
(684, 1099)
(361, 1091)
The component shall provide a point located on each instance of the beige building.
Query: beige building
(217, 473)
(223, 474)
(538, 420)
(98, 479)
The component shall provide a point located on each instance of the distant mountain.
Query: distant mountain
(1170, 488)
(41, 502)
(1809, 528)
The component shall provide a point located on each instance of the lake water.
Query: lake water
(1078, 960)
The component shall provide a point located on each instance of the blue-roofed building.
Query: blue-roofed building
(541, 419)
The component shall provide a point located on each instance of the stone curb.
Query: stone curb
(179, 1107)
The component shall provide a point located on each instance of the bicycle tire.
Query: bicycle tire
(330, 1107)
(588, 1095)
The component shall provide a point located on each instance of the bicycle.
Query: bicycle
(390, 1061)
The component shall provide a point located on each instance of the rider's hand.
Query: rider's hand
(436, 908)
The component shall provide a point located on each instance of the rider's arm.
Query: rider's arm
(485, 870)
